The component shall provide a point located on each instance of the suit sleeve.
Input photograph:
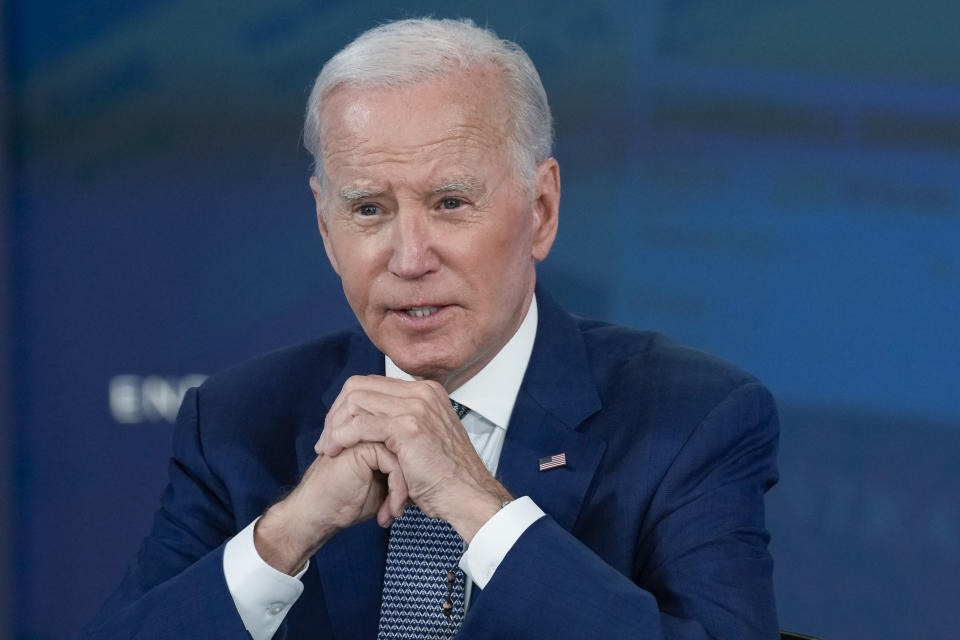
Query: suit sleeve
(702, 569)
(175, 586)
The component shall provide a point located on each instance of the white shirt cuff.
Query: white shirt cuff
(262, 595)
(496, 537)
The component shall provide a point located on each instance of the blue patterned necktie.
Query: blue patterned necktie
(421, 552)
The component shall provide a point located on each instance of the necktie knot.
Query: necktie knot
(459, 408)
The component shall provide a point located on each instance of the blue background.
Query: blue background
(775, 182)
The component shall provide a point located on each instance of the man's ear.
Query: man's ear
(322, 223)
(546, 207)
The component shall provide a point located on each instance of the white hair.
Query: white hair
(405, 52)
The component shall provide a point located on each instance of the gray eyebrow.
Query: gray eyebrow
(466, 184)
(352, 194)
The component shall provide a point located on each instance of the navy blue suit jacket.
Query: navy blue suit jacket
(655, 526)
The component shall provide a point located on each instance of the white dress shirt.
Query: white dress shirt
(263, 595)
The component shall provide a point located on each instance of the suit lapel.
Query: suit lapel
(350, 566)
(558, 393)
(560, 491)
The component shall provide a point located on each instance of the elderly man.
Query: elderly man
(475, 461)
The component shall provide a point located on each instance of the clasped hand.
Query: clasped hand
(385, 443)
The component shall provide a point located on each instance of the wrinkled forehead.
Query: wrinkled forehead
(472, 104)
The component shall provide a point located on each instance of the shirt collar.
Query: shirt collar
(493, 391)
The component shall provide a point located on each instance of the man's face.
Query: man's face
(428, 223)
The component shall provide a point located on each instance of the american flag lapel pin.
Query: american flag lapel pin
(552, 462)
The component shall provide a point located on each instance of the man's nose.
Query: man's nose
(414, 253)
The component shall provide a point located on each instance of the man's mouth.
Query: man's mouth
(420, 312)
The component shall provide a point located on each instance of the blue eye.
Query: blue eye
(451, 203)
(367, 210)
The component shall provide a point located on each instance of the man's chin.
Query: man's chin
(423, 365)
(421, 370)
